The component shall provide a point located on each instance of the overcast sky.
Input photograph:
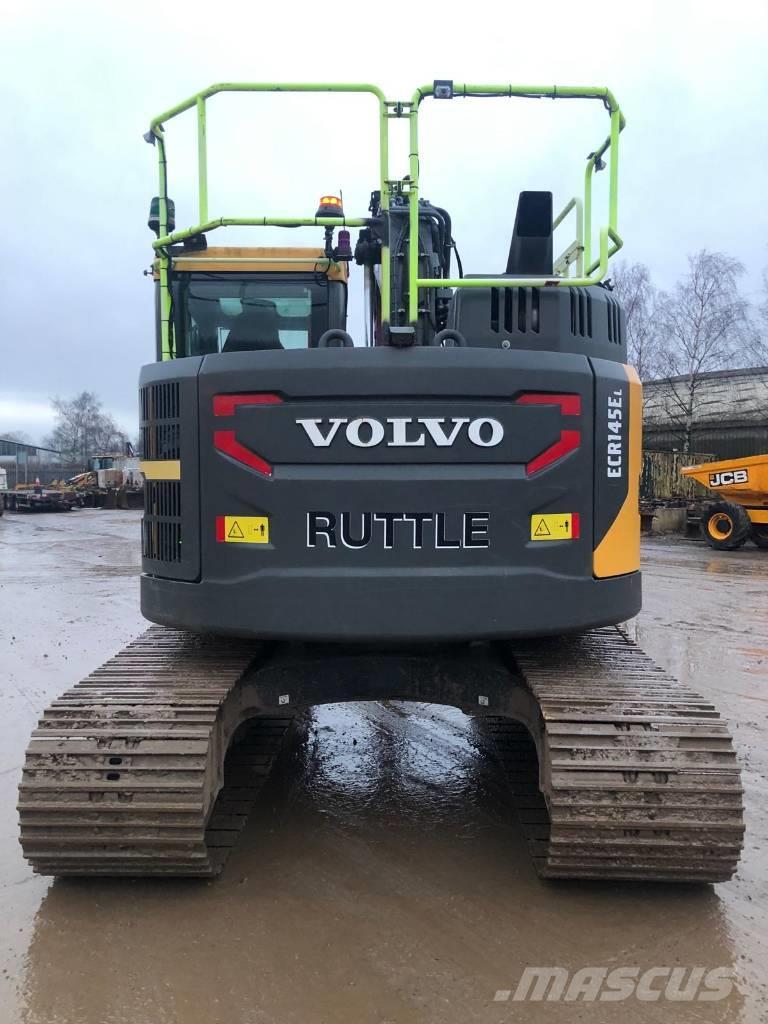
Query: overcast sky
(79, 82)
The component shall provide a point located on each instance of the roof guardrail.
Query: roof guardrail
(588, 270)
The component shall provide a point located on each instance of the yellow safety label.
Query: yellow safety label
(246, 529)
(553, 526)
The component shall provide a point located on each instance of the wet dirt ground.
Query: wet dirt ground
(382, 877)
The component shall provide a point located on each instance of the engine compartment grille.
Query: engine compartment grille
(160, 425)
(161, 525)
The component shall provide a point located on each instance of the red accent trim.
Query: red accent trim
(220, 529)
(225, 405)
(570, 405)
(569, 441)
(575, 525)
(226, 442)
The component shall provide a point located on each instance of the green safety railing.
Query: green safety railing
(579, 252)
(595, 271)
(156, 134)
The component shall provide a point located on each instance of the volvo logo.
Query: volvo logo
(403, 431)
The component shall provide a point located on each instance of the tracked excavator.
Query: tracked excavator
(442, 508)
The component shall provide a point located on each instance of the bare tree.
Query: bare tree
(83, 429)
(704, 325)
(759, 344)
(634, 289)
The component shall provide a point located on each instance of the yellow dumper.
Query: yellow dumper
(741, 511)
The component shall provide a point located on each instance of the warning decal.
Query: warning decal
(555, 526)
(242, 529)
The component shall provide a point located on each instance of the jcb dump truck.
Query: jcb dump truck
(442, 509)
(741, 511)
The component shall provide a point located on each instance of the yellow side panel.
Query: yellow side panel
(619, 551)
(161, 469)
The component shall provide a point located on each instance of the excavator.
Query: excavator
(441, 507)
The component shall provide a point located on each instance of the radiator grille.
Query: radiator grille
(161, 525)
(161, 539)
(160, 427)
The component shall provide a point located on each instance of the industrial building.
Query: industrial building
(23, 463)
(730, 414)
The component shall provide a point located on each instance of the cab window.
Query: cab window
(221, 313)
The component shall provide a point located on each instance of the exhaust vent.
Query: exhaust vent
(581, 313)
(515, 310)
(613, 309)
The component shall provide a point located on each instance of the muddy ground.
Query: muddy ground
(382, 877)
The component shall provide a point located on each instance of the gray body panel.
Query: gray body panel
(449, 577)
(402, 607)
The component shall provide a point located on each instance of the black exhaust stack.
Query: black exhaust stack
(530, 251)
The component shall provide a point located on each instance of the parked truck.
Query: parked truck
(740, 512)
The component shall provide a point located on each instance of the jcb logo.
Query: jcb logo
(729, 476)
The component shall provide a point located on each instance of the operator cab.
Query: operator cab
(256, 299)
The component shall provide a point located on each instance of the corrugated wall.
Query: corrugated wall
(661, 479)
(724, 443)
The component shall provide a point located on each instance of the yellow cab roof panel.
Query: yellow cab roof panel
(268, 259)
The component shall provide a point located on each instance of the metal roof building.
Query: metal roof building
(22, 462)
(730, 417)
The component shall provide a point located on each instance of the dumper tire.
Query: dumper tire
(725, 526)
(759, 535)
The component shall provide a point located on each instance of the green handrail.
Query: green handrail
(589, 271)
(198, 101)
(574, 253)
(595, 271)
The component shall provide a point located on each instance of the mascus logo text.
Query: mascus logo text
(728, 476)
(403, 431)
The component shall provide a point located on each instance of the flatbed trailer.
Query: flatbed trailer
(42, 500)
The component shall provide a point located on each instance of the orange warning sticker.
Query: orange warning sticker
(242, 529)
(555, 526)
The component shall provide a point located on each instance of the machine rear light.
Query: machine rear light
(570, 405)
(225, 405)
(226, 442)
(569, 441)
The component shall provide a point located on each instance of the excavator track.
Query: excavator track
(636, 776)
(123, 772)
(151, 765)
